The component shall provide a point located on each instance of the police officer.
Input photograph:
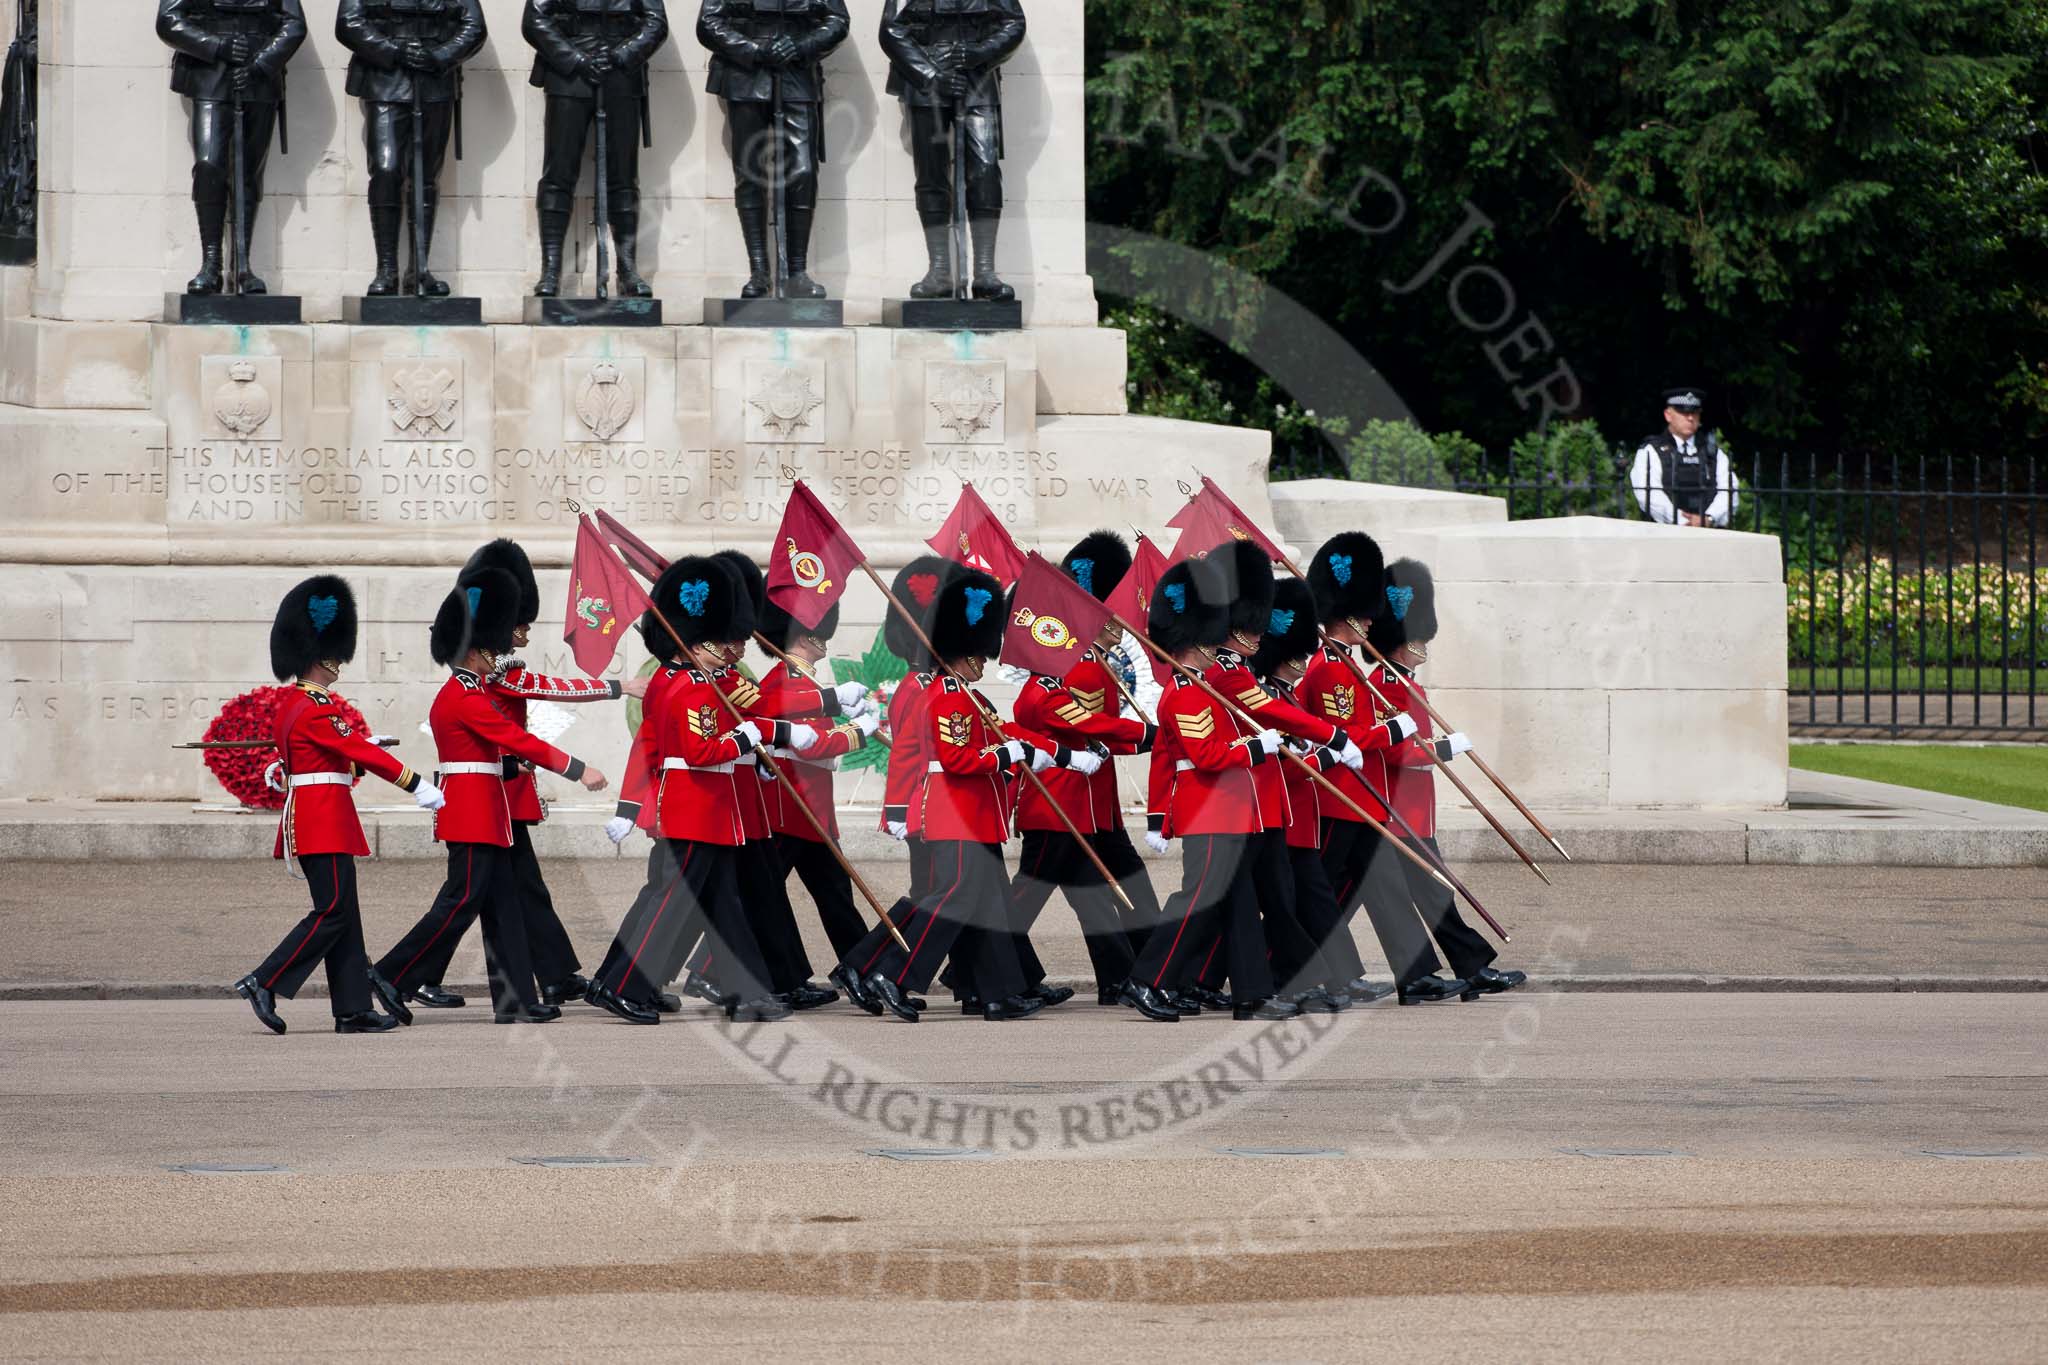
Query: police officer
(402, 49)
(1682, 478)
(762, 50)
(943, 60)
(582, 47)
(229, 51)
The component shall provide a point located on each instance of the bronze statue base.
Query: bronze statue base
(774, 313)
(954, 315)
(413, 310)
(593, 312)
(232, 310)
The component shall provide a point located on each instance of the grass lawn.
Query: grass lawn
(2010, 776)
(1936, 682)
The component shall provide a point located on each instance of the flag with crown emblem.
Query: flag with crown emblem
(1053, 620)
(1211, 519)
(811, 560)
(973, 535)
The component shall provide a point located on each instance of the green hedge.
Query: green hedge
(1982, 616)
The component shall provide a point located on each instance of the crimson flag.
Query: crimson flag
(1132, 600)
(603, 601)
(641, 557)
(808, 575)
(1053, 620)
(1211, 519)
(973, 536)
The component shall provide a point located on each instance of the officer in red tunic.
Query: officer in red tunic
(1081, 713)
(512, 686)
(1208, 798)
(698, 805)
(321, 755)
(1402, 635)
(845, 718)
(1348, 578)
(916, 586)
(965, 818)
(472, 630)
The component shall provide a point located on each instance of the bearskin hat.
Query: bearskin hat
(1098, 563)
(1290, 628)
(705, 599)
(1349, 575)
(479, 614)
(657, 640)
(916, 586)
(315, 622)
(782, 629)
(1189, 609)
(751, 578)
(507, 555)
(1410, 617)
(967, 619)
(1247, 578)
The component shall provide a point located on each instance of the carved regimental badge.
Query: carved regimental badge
(242, 405)
(784, 402)
(423, 401)
(966, 402)
(605, 401)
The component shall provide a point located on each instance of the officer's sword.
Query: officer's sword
(419, 191)
(779, 193)
(238, 246)
(960, 272)
(601, 205)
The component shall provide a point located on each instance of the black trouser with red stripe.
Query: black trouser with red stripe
(700, 895)
(964, 914)
(1362, 870)
(330, 934)
(831, 889)
(547, 942)
(860, 959)
(1463, 948)
(1293, 954)
(762, 881)
(1315, 905)
(1052, 861)
(478, 887)
(1127, 865)
(1217, 897)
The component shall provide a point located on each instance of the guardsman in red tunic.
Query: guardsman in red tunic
(1348, 578)
(513, 685)
(1081, 713)
(473, 737)
(698, 809)
(916, 586)
(1402, 635)
(636, 807)
(320, 755)
(1210, 759)
(965, 819)
(845, 718)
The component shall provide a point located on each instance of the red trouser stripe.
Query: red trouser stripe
(959, 875)
(311, 929)
(468, 881)
(659, 910)
(1194, 899)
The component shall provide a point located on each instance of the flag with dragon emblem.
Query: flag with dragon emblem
(604, 602)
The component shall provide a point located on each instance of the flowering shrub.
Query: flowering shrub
(1976, 615)
(253, 715)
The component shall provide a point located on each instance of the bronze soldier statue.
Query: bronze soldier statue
(230, 60)
(766, 65)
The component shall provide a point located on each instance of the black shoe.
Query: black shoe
(1364, 992)
(916, 1002)
(847, 980)
(388, 996)
(1050, 995)
(1150, 1003)
(569, 988)
(1110, 995)
(435, 998)
(529, 1014)
(665, 1003)
(890, 997)
(1215, 1000)
(1429, 990)
(1184, 1004)
(808, 996)
(261, 1001)
(369, 1021)
(1013, 1007)
(1487, 981)
(1275, 1008)
(698, 988)
(970, 1004)
(1313, 1000)
(615, 1004)
(766, 1010)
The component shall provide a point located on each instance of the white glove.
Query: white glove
(1268, 742)
(867, 707)
(898, 831)
(427, 796)
(1155, 841)
(801, 737)
(851, 695)
(1402, 727)
(763, 731)
(1351, 756)
(1458, 743)
(1041, 760)
(1085, 762)
(382, 740)
(867, 722)
(617, 828)
(1012, 752)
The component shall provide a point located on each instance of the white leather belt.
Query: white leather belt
(321, 780)
(472, 770)
(679, 765)
(1183, 766)
(935, 766)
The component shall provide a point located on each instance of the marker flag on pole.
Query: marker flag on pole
(604, 602)
(975, 537)
(1132, 600)
(641, 557)
(811, 560)
(1211, 519)
(1053, 620)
